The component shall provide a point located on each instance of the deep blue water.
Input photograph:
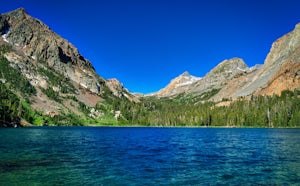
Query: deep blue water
(149, 156)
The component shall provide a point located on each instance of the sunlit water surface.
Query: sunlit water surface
(149, 156)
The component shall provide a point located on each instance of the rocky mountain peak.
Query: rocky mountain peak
(279, 71)
(178, 84)
(215, 79)
(19, 13)
(50, 74)
(234, 65)
(225, 71)
(186, 73)
(185, 79)
(285, 50)
(233, 78)
(219, 76)
(39, 44)
(118, 89)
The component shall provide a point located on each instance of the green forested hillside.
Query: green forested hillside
(16, 97)
(44, 80)
(9, 106)
(259, 111)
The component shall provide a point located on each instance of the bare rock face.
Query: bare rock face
(221, 74)
(178, 85)
(35, 45)
(233, 78)
(284, 50)
(65, 82)
(118, 90)
(42, 46)
(286, 47)
(115, 86)
(287, 78)
(215, 79)
(284, 61)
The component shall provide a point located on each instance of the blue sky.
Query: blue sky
(146, 43)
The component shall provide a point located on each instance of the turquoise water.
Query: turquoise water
(149, 156)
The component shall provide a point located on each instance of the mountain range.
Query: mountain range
(233, 78)
(64, 81)
(46, 77)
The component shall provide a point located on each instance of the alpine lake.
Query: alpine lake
(149, 156)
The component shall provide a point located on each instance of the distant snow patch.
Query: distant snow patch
(83, 85)
(238, 68)
(255, 67)
(126, 95)
(4, 36)
(189, 80)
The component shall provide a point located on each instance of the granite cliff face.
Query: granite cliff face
(40, 45)
(284, 56)
(285, 48)
(64, 81)
(233, 78)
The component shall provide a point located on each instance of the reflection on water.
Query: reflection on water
(149, 156)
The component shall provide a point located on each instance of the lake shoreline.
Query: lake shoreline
(143, 126)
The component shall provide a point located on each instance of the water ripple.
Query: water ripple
(149, 156)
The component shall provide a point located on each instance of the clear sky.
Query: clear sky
(146, 43)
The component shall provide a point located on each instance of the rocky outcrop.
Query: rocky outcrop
(116, 87)
(233, 78)
(284, 52)
(217, 78)
(178, 85)
(63, 81)
(287, 78)
(118, 90)
(286, 47)
(41, 45)
(35, 46)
